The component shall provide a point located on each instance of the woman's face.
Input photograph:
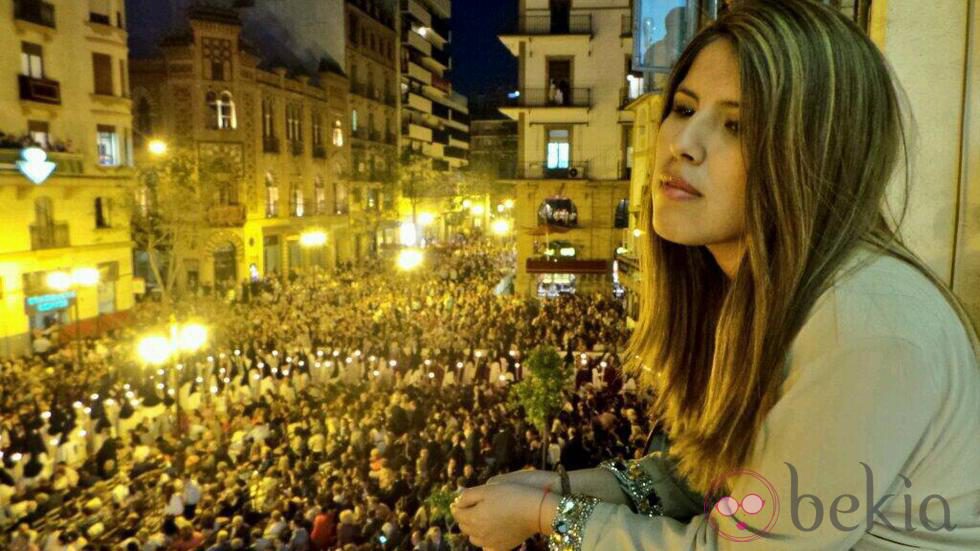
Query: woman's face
(699, 148)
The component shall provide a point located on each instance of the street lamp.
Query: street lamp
(409, 259)
(157, 147)
(63, 281)
(158, 349)
(500, 227)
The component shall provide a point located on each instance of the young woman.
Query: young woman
(818, 384)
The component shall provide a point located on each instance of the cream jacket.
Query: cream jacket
(874, 443)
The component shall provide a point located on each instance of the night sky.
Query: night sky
(481, 63)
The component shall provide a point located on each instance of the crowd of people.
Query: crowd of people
(328, 410)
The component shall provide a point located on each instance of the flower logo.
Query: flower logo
(730, 516)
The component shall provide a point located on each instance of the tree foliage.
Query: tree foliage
(542, 391)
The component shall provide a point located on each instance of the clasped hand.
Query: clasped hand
(501, 514)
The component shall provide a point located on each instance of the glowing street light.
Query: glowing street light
(192, 337)
(509, 203)
(477, 210)
(63, 281)
(409, 259)
(426, 218)
(313, 239)
(154, 349)
(500, 227)
(157, 147)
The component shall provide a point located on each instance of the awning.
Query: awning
(567, 266)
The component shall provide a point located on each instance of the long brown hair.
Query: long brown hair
(823, 132)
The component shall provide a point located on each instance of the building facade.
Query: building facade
(371, 54)
(269, 143)
(70, 100)
(574, 141)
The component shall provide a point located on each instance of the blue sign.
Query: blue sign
(47, 303)
(35, 166)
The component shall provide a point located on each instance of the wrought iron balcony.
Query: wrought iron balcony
(35, 11)
(41, 90)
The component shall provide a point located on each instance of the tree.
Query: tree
(542, 391)
(169, 217)
(417, 180)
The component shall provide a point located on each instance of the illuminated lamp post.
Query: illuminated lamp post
(64, 281)
(158, 349)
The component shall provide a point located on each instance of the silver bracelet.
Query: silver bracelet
(637, 485)
(568, 528)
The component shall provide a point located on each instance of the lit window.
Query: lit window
(558, 148)
(222, 110)
(353, 120)
(338, 134)
(108, 145)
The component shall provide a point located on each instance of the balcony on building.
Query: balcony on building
(626, 25)
(374, 135)
(225, 216)
(542, 170)
(270, 144)
(440, 136)
(35, 11)
(319, 152)
(544, 97)
(441, 57)
(360, 133)
(390, 138)
(296, 148)
(41, 90)
(51, 236)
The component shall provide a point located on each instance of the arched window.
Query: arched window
(222, 111)
(558, 211)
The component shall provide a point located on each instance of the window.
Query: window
(352, 24)
(102, 69)
(144, 118)
(222, 109)
(622, 218)
(123, 81)
(558, 148)
(108, 145)
(353, 121)
(298, 207)
(99, 12)
(217, 56)
(271, 197)
(317, 130)
(294, 125)
(102, 212)
(39, 133)
(268, 126)
(31, 60)
(338, 134)
(320, 195)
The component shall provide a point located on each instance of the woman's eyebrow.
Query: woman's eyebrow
(687, 91)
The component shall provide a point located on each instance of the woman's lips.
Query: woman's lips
(679, 190)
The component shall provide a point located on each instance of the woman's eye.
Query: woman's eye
(683, 111)
(732, 126)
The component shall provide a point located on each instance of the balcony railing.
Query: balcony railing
(358, 88)
(391, 100)
(296, 148)
(319, 152)
(546, 24)
(544, 97)
(226, 215)
(541, 170)
(360, 133)
(455, 152)
(35, 11)
(391, 139)
(374, 136)
(40, 90)
(270, 144)
(626, 25)
(54, 236)
(440, 136)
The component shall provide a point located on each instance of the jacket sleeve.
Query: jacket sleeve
(825, 463)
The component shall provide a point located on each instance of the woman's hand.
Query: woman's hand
(498, 516)
(533, 478)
